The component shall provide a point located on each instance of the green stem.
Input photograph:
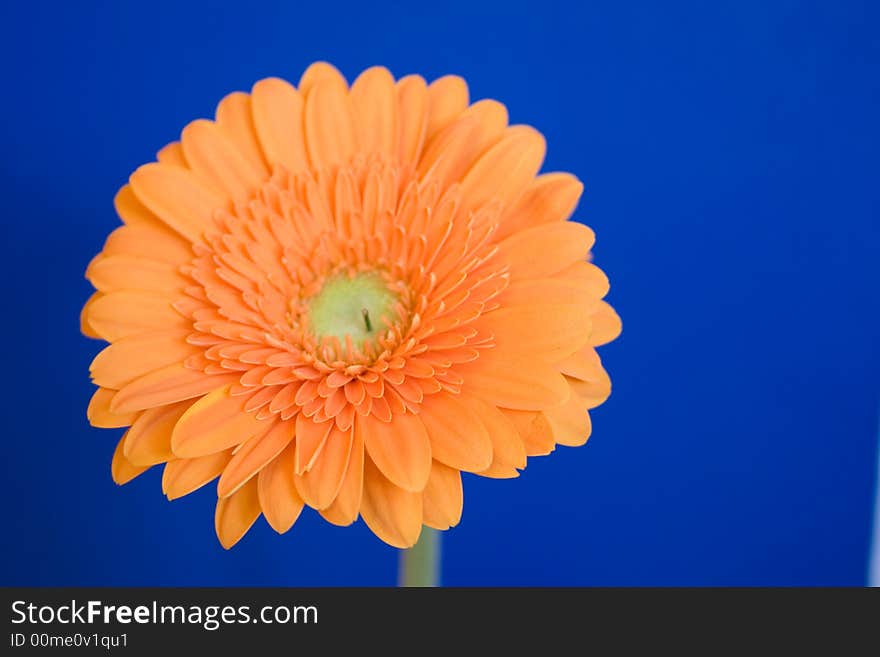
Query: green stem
(420, 565)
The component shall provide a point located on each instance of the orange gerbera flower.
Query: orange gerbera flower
(342, 298)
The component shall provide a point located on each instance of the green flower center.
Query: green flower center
(356, 306)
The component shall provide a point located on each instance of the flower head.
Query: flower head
(343, 298)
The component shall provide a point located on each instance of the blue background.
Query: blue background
(730, 157)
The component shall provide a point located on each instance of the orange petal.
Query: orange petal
(84, 326)
(130, 312)
(129, 358)
(500, 471)
(235, 117)
(310, 438)
(217, 161)
(318, 72)
(236, 514)
(120, 272)
(525, 384)
(121, 469)
(142, 241)
(177, 197)
(278, 111)
(584, 364)
(453, 152)
(215, 422)
(549, 197)
(504, 171)
(400, 449)
(448, 154)
(447, 98)
(549, 291)
(443, 498)
(566, 240)
(534, 429)
(132, 211)
(375, 103)
(182, 476)
(458, 436)
(606, 325)
(587, 276)
(148, 442)
(393, 514)
(99, 413)
(170, 384)
(491, 117)
(329, 124)
(253, 456)
(172, 154)
(279, 499)
(570, 423)
(320, 485)
(592, 393)
(412, 117)
(548, 331)
(347, 505)
(508, 451)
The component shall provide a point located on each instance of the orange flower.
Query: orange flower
(343, 298)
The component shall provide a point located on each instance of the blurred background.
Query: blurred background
(730, 156)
